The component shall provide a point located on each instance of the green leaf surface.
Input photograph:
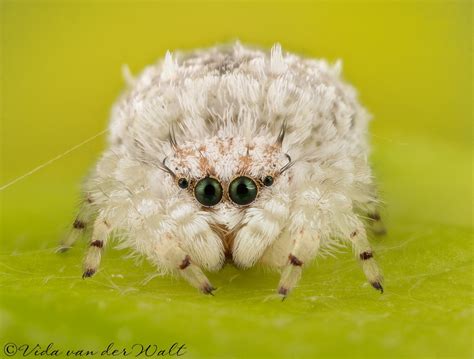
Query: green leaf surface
(426, 306)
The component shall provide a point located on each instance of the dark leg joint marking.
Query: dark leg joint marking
(375, 216)
(295, 261)
(283, 292)
(78, 224)
(97, 243)
(88, 273)
(377, 286)
(353, 234)
(185, 263)
(366, 255)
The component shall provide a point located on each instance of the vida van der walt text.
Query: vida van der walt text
(111, 350)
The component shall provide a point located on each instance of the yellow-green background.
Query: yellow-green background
(412, 64)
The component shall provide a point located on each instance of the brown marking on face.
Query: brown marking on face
(222, 147)
(353, 234)
(184, 152)
(271, 150)
(271, 153)
(244, 164)
(204, 165)
(181, 156)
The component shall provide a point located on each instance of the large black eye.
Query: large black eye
(243, 190)
(208, 191)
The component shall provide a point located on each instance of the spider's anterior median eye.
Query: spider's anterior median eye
(243, 190)
(208, 191)
(183, 183)
(268, 181)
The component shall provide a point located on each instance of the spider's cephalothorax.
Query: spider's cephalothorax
(233, 153)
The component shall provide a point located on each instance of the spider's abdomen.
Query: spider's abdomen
(238, 91)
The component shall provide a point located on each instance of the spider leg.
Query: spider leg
(175, 259)
(375, 223)
(194, 275)
(100, 234)
(364, 254)
(261, 229)
(370, 209)
(305, 248)
(79, 226)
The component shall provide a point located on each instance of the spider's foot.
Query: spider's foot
(194, 276)
(283, 292)
(378, 286)
(207, 288)
(89, 272)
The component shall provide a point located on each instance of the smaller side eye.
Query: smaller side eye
(268, 181)
(183, 183)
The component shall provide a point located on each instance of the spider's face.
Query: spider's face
(227, 175)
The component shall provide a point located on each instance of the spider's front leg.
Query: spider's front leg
(100, 234)
(303, 248)
(188, 245)
(370, 210)
(262, 225)
(364, 254)
(166, 253)
(169, 256)
(375, 223)
(83, 220)
(297, 244)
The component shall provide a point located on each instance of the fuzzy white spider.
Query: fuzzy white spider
(232, 153)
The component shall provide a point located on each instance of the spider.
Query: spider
(233, 154)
